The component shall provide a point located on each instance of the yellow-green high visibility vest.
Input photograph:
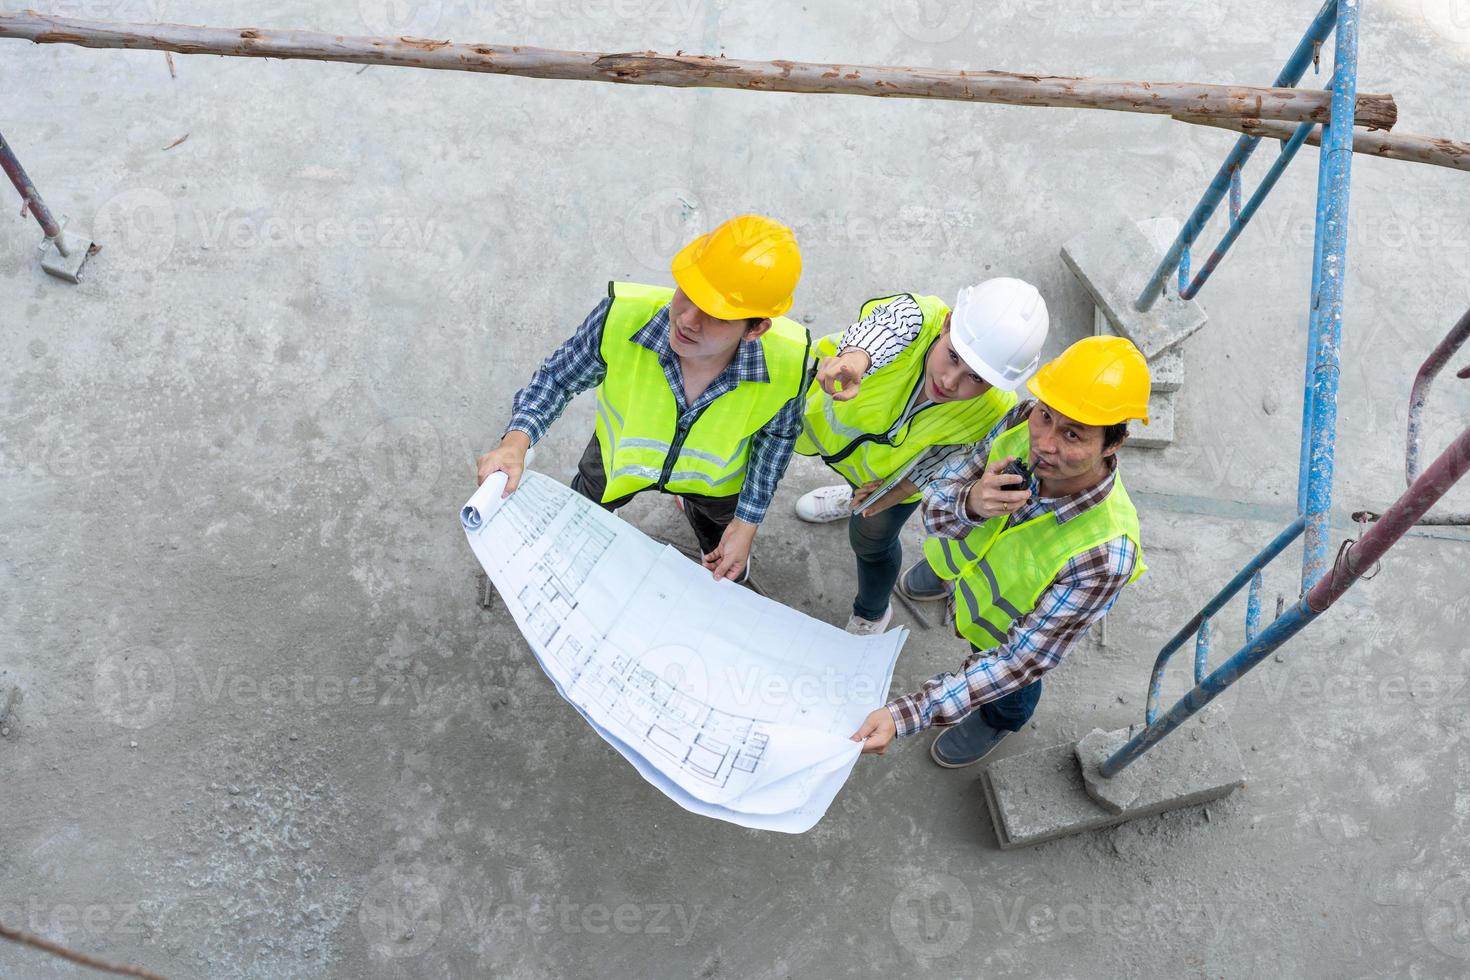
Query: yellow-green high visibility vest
(858, 439)
(1000, 572)
(638, 416)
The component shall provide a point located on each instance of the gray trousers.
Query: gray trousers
(708, 516)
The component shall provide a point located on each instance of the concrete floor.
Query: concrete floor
(267, 732)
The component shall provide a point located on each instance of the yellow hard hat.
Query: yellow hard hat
(747, 267)
(1097, 381)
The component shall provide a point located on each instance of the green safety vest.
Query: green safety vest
(853, 437)
(637, 414)
(1000, 572)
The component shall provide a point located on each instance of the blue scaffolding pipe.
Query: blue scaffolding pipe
(1355, 560)
(1253, 609)
(1263, 558)
(1290, 74)
(1319, 401)
(1242, 216)
(1202, 652)
(1332, 204)
(1314, 340)
(1285, 626)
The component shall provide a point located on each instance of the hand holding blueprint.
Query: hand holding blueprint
(733, 705)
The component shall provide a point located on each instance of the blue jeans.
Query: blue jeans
(879, 557)
(1010, 712)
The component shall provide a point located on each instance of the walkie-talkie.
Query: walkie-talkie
(1018, 468)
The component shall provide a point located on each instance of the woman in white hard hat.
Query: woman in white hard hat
(895, 396)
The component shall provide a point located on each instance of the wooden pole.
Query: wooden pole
(1433, 150)
(56, 949)
(703, 71)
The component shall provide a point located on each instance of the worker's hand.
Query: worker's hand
(995, 493)
(846, 369)
(508, 458)
(877, 731)
(902, 490)
(861, 494)
(730, 555)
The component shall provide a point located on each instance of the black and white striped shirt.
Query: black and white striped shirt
(886, 331)
(883, 334)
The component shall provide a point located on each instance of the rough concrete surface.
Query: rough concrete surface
(266, 729)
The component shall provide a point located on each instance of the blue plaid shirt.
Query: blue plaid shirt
(577, 365)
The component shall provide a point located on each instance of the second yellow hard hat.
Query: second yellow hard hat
(1097, 381)
(747, 267)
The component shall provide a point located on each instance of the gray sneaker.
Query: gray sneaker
(919, 583)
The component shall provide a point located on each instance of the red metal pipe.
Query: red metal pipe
(1404, 513)
(1428, 371)
(27, 190)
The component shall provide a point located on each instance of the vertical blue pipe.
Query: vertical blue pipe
(1314, 340)
(1253, 609)
(1327, 301)
(1184, 269)
(1202, 651)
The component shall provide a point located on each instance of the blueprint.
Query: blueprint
(733, 705)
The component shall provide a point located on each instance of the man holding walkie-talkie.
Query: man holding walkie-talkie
(1034, 539)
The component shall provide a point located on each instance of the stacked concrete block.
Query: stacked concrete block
(1113, 263)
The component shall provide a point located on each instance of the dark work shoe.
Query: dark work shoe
(918, 582)
(966, 743)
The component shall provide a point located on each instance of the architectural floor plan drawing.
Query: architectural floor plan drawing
(684, 731)
(732, 704)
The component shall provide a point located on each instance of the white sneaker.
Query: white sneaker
(825, 505)
(859, 626)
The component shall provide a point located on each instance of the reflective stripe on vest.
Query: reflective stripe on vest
(862, 438)
(1000, 572)
(638, 416)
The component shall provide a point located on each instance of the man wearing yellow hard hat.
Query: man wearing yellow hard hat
(896, 395)
(698, 388)
(1034, 538)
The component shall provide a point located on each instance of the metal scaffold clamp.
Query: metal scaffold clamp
(64, 255)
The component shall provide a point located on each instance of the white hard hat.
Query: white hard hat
(998, 328)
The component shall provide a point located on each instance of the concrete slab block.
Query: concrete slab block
(1042, 795)
(1113, 262)
(1166, 370)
